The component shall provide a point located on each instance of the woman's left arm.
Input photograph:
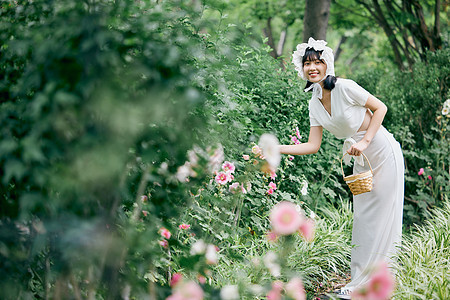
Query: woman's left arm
(379, 110)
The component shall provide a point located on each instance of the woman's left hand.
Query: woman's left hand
(358, 148)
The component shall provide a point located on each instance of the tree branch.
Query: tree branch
(268, 33)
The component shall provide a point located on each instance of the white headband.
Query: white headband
(319, 45)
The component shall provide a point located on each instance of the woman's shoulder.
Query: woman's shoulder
(344, 82)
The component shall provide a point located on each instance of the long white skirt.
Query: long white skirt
(377, 223)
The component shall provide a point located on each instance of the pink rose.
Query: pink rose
(228, 167)
(285, 219)
(246, 157)
(164, 243)
(165, 233)
(429, 177)
(184, 226)
(270, 191)
(144, 198)
(201, 279)
(421, 171)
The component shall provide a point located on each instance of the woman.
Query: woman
(349, 112)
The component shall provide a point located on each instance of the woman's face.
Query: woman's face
(314, 70)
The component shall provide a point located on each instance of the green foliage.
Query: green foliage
(96, 96)
(423, 268)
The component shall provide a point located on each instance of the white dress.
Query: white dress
(377, 224)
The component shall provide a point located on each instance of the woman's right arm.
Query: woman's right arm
(312, 146)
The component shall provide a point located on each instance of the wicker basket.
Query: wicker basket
(359, 183)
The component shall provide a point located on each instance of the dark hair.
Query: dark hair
(311, 54)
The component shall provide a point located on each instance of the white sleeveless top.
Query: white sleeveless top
(347, 109)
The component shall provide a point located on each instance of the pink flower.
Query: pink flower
(271, 236)
(223, 177)
(201, 279)
(228, 167)
(429, 177)
(291, 157)
(421, 171)
(145, 213)
(256, 150)
(187, 291)
(243, 190)
(295, 289)
(295, 140)
(246, 157)
(176, 278)
(165, 233)
(273, 175)
(298, 133)
(380, 286)
(164, 243)
(270, 191)
(234, 187)
(184, 226)
(285, 219)
(307, 229)
(272, 185)
(144, 198)
(275, 292)
(211, 255)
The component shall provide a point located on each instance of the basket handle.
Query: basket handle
(342, 168)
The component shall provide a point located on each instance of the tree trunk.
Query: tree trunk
(315, 22)
(268, 33)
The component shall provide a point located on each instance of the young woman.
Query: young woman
(350, 112)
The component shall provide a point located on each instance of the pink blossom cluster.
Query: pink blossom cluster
(184, 226)
(297, 137)
(214, 156)
(184, 290)
(422, 171)
(381, 285)
(294, 289)
(166, 235)
(226, 175)
(286, 219)
(272, 187)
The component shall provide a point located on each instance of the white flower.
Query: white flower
(304, 190)
(447, 103)
(269, 145)
(256, 289)
(270, 262)
(216, 159)
(229, 292)
(445, 111)
(211, 255)
(198, 247)
(185, 171)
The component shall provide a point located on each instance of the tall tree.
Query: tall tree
(412, 27)
(315, 23)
